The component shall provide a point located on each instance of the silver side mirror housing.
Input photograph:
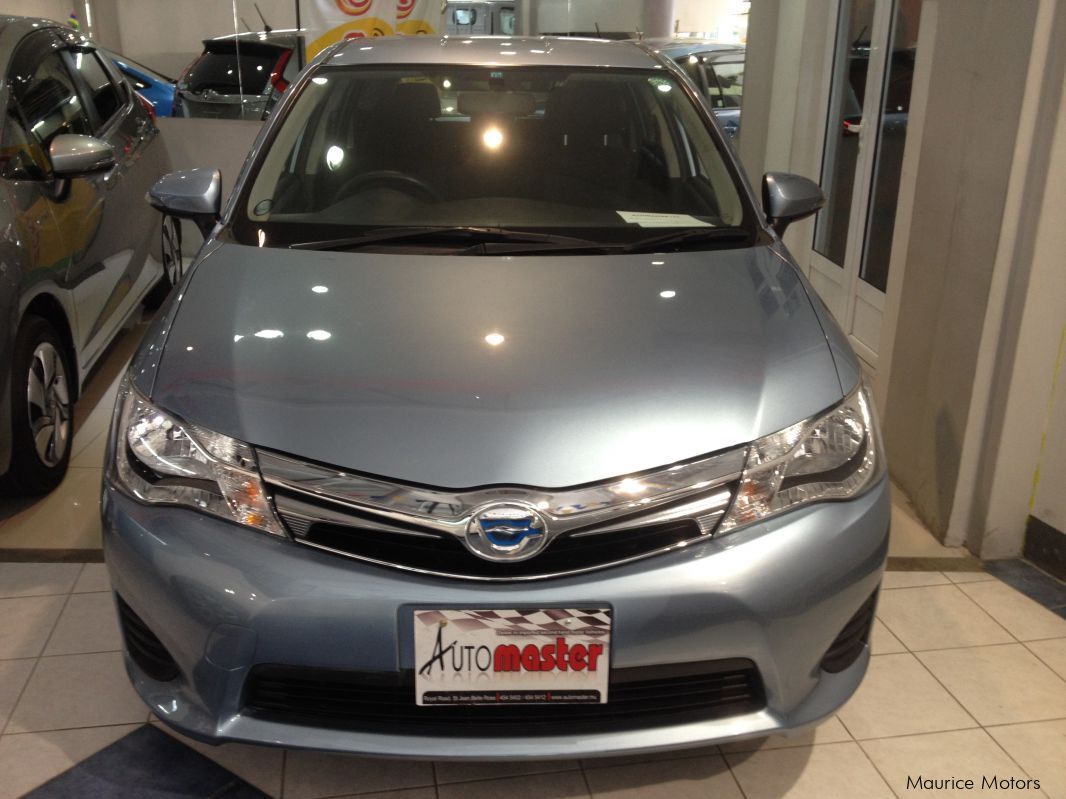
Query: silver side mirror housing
(787, 197)
(194, 194)
(74, 154)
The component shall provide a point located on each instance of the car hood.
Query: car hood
(602, 366)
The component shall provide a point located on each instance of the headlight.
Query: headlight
(159, 459)
(834, 456)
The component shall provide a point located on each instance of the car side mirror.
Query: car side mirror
(194, 194)
(787, 197)
(74, 154)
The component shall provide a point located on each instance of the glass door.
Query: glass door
(869, 100)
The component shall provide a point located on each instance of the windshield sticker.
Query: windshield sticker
(650, 219)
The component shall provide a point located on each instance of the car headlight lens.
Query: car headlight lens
(159, 459)
(834, 456)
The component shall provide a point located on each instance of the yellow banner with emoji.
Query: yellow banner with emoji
(330, 21)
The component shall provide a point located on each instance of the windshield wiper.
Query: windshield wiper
(465, 234)
(688, 237)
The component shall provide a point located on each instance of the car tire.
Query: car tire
(42, 417)
(170, 255)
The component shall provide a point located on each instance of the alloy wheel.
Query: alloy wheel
(48, 403)
(172, 263)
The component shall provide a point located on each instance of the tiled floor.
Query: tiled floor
(973, 685)
(967, 679)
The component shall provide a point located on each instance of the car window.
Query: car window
(691, 66)
(105, 96)
(21, 156)
(725, 83)
(220, 72)
(134, 79)
(600, 153)
(44, 92)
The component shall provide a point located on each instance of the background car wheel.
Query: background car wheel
(41, 410)
(173, 266)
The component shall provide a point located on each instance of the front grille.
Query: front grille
(446, 554)
(855, 635)
(385, 702)
(146, 650)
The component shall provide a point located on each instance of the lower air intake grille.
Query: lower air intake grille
(146, 650)
(855, 635)
(385, 702)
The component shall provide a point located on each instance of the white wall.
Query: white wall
(654, 17)
(722, 20)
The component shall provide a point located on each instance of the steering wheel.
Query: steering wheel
(401, 181)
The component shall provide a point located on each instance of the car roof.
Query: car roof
(494, 51)
(679, 48)
(288, 37)
(20, 26)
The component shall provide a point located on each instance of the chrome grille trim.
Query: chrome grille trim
(306, 495)
(445, 511)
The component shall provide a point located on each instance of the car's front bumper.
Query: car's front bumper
(223, 599)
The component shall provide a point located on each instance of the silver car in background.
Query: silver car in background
(493, 420)
(78, 252)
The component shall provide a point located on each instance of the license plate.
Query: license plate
(512, 657)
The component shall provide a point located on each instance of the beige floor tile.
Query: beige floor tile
(88, 624)
(93, 578)
(25, 624)
(962, 755)
(832, 771)
(310, 775)
(259, 765)
(968, 577)
(938, 617)
(37, 579)
(829, 731)
(912, 579)
(560, 785)
(1025, 619)
(882, 641)
(31, 759)
(466, 771)
(1000, 684)
(77, 691)
(1053, 653)
(68, 518)
(900, 697)
(1040, 749)
(691, 778)
(13, 677)
(91, 454)
(409, 793)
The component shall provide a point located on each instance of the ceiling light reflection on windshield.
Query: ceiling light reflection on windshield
(669, 294)
(268, 333)
(494, 339)
(319, 335)
(493, 138)
(319, 289)
(334, 157)
(664, 87)
(320, 81)
(447, 84)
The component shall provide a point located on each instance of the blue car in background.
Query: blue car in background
(155, 87)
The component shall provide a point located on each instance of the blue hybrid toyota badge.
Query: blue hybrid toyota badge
(506, 531)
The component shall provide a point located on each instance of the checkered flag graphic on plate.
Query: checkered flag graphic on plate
(524, 622)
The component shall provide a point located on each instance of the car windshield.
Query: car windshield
(604, 155)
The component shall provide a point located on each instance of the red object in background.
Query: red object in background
(147, 105)
(276, 80)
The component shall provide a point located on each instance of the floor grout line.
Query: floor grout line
(37, 659)
(880, 774)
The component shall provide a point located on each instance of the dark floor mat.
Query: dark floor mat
(147, 764)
